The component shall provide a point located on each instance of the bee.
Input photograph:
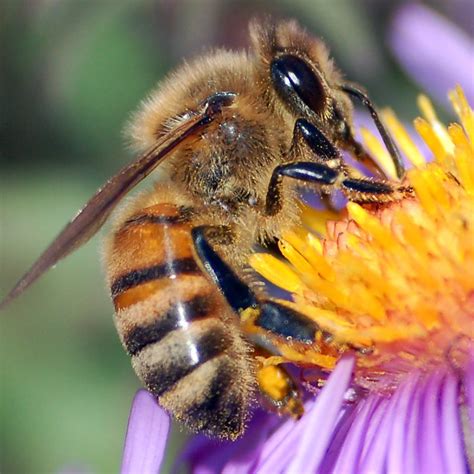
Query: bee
(234, 134)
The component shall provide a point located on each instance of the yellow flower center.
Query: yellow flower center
(393, 281)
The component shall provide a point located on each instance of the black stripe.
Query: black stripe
(143, 275)
(286, 322)
(179, 313)
(193, 353)
(184, 215)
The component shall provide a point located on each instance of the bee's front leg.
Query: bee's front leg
(327, 172)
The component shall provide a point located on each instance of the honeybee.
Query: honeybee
(235, 134)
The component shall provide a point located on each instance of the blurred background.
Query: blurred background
(71, 72)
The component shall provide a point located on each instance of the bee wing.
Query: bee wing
(93, 215)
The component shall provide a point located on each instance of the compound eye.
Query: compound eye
(291, 75)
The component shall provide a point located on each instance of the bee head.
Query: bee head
(299, 73)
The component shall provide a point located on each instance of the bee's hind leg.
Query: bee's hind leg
(271, 315)
(238, 294)
(279, 391)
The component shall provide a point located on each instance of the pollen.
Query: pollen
(392, 282)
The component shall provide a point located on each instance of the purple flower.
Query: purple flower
(434, 51)
(418, 429)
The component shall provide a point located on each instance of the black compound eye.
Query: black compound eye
(292, 75)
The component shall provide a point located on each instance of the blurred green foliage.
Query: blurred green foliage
(71, 72)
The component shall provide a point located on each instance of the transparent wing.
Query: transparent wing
(96, 211)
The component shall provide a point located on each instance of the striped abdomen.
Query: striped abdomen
(185, 343)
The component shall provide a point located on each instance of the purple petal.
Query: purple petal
(468, 384)
(213, 460)
(281, 446)
(198, 454)
(376, 450)
(278, 447)
(434, 51)
(249, 447)
(323, 415)
(431, 459)
(352, 448)
(376, 419)
(207, 456)
(413, 431)
(451, 427)
(341, 431)
(196, 444)
(397, 450)
(147, 433)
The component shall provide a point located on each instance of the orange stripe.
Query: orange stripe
(142, 244)
(140, 293)
(147, 244)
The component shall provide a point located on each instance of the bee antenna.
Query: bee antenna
(386, 137)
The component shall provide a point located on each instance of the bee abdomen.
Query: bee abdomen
(152, 273)
(214, 397)
(184, 340)
(193, 359)
(163, 363)
(150, 253)
(179, 315)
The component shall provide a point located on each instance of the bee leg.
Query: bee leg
(323, 172)
(237, 293)
(268, 314)
(305, 171)
(329, 171)
(278, 390)
(356, 189)
(305, 133)
(365, 190)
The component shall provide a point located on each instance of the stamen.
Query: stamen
(276, 272)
